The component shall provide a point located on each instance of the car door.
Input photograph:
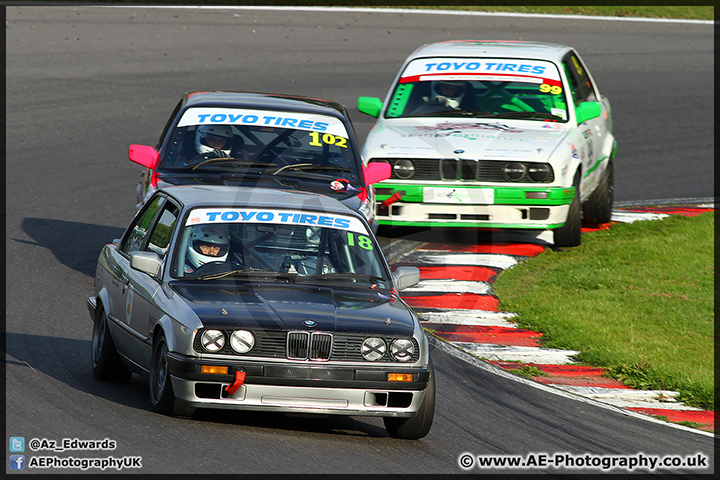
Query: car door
(122, 296)
(587, 137)
(144, 290)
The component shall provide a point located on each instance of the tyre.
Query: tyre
(419, 425)
(105, 361)
(162, 395)
(597, 209)
(569, 235)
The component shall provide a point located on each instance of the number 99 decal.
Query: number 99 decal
(554, 89)
(327, 139)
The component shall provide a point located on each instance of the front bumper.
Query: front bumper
(509, 207)
(300, 387)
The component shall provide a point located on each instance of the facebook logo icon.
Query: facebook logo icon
(17, 462)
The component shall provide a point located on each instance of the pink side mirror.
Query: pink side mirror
(377, 172)
(144, 155)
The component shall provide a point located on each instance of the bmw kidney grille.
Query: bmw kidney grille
(312, 345)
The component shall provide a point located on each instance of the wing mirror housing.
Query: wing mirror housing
(370, 106)
(406, 277)
(146, 262)
(587, 111)
(144, 155)
(377, 172)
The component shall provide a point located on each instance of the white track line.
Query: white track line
(443, 258)
(622, 397)
(449, 286)
(629, 217)
(469, 317)
(507, 353)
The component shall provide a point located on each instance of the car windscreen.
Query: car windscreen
(263, 142)
(481, 88)
(287, 245)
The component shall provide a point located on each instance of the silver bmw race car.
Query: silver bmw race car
(260, 299)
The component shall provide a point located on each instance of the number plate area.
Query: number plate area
(468, 196)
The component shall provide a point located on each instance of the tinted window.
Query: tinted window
(139, 229)
(581, 86)
(261, 142)
(479, 88)
(162, 233)
(297, 245)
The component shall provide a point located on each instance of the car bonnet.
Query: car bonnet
(266, 306)
(465, 138)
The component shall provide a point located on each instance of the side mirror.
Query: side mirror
(377, 172)
(370, 106)
(587, 111)
(146, 262)
(406, 277)
(144, 155)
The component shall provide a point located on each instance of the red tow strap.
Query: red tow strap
(239, 379)
(389, 201)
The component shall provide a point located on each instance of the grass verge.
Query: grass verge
(637, 299)
(689, 12)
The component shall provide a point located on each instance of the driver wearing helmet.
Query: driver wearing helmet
(447, 93)
(214, 140)
(208, 243)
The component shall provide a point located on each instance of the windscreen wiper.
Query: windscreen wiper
(311, 166)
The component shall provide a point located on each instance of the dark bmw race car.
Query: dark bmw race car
(263, 140)
(260, 299)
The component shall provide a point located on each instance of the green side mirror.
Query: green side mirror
(587, 111)
(370, 106)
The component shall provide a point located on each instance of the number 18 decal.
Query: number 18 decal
(362, 241)
(328, 139)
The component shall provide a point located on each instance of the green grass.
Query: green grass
(637, 299)
(529, 371)
(696, 12)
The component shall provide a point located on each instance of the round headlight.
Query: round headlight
(513, 171)
(242, 341)
(373, 348)
(404, 168)
(213, 340)
(539, 172)
(402, 349)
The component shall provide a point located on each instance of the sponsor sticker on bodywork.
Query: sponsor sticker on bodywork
(273, 216)
(263, 118)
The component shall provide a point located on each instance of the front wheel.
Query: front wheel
(598, 207)
(105, 361)
(162, 395)
(569, 235)
(419, 425)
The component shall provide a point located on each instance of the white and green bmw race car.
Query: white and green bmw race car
(494, 134)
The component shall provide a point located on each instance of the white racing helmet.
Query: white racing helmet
(450, 91)
(204, 131)
(214, 239)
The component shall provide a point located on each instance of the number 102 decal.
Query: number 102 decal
(327, 139)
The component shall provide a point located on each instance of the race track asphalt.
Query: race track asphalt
(84, 83)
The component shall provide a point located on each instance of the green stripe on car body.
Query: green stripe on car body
(597, 164)
(441, 224)
(503, 195)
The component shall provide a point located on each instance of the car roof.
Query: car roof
(192, 196)
(264, 100)
(493, 48)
